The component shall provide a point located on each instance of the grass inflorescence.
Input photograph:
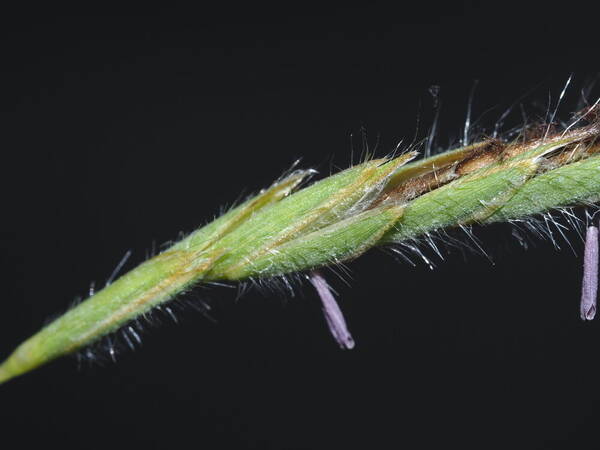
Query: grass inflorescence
(287, 230)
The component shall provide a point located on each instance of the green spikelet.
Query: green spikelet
(379, 202)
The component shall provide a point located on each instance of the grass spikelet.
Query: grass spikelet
(285, 231)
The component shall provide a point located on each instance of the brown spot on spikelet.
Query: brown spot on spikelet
(485, 156)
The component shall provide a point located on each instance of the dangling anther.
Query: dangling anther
(589, 286)
(331, 311)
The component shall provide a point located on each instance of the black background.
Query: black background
(120, 130)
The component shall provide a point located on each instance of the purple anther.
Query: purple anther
(331, 311)
(589, 287)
